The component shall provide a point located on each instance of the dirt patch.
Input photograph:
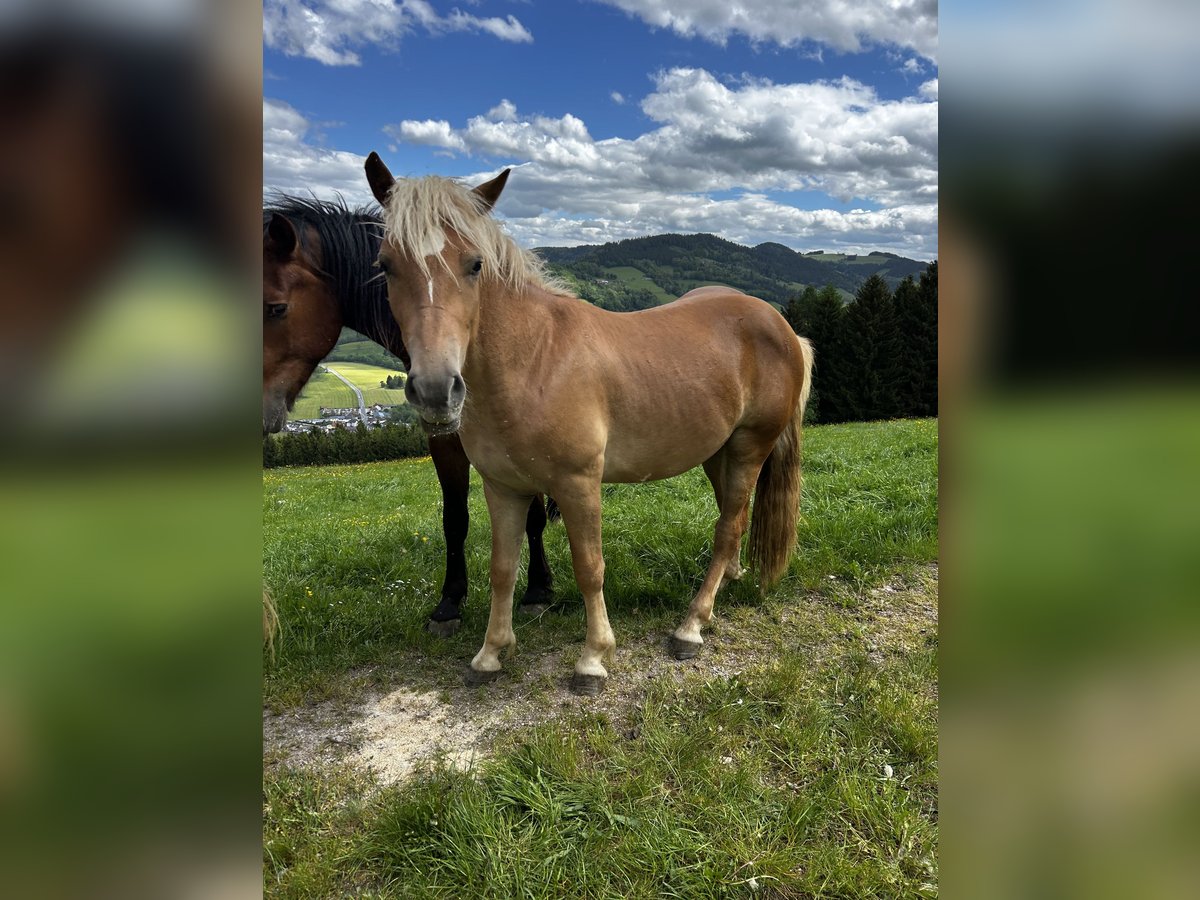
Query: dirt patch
(394, 730)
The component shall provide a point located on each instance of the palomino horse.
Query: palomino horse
(318, 275)
(551, 394)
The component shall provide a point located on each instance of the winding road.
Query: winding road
(362, 406)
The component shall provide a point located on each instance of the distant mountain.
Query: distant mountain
(642, 272)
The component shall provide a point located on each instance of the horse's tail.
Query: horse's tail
(777, 494)
(552, 511)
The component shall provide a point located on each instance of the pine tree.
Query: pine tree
(916, 319)
(910, 350)
(871, 346)
(819, 316)
(795, 310)
(928, 292)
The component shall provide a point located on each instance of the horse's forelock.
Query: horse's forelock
(421, 210)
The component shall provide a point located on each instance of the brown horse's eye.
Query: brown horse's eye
(475, 266)
(276, 310)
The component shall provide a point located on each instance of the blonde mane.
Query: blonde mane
(419, 211)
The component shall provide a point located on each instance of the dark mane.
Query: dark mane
(349, 245)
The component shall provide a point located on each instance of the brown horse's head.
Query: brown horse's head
(440, 249)
(301, 317)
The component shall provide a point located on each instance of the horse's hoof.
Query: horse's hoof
(474, 678)
(534, 609)
(587, 685)
(682, 649)
(443, 629)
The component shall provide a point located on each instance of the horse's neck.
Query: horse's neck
(511, 328)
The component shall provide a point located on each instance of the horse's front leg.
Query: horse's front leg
(539, 592)
(507, 511)
(581, 514)
(454, 475)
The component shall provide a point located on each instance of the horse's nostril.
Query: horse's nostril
(458, 389)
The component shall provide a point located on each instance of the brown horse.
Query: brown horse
(551, 394)
(318, 275)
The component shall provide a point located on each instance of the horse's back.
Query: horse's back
(710, 290)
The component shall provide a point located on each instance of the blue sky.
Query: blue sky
(623, 117)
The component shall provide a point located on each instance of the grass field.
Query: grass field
(367, 379)
(324, 389)
(796, 757)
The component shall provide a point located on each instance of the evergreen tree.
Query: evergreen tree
(916, 319)
(911, 351)
(820, 317)
(796, 307)
(927, 291)
(870, 350)
(341, 446)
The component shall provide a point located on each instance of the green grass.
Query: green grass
(777, 774)
(366, 541)
(367, 378)
(322, 389)
(777, 777)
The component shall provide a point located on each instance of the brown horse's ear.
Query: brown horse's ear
(379, 177)
(280, 237)
(489, 191)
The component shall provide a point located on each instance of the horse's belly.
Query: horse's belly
(631, 460)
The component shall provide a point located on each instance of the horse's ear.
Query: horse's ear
(379, 177)
(489, 191)
(280, 237)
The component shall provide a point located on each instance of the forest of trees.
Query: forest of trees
(877, 355)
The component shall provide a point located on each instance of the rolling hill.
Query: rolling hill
(642, 272)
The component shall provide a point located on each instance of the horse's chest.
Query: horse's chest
(510, 463)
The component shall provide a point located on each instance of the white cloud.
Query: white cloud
(428, 132)
(329, 30)
(843, 25)
(838, 137)
(749, 140)
(293, 164)
(617, 97)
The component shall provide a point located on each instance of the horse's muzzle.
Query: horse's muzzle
(439, 398)
(274, 415)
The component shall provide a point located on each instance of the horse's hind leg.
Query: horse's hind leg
(714, 468)
(454, 474)
(733, 472)
(539, 592)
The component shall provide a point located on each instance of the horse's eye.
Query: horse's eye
(276, 310)
(476, 266)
